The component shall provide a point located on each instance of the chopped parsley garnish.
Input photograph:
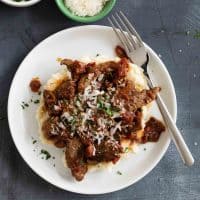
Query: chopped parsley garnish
(100, 104)
(36, 101)
(24, 105)
(46, 153)
(107, 109)
(97, 55)
(145, 149)
(34, 141)
(119, 173)
(126, 150)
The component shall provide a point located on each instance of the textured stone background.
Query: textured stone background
(168, 26)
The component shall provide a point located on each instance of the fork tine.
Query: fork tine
(126, 39)
(117, 33)
(132, 28)
(130, 35)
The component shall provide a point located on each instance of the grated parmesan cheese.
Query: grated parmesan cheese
(89, 102)
(85, 7)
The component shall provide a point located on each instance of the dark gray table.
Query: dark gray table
(168, 26)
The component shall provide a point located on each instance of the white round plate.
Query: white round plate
(41, 62)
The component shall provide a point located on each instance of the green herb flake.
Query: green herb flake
(109, 111)
(53, 157)
(97, 54)
(24, 105)
(36, 101)
(145, 149)
(34, 141)
(100, 104)
(46, 153)
(126, 150)
(119, 173)
(39, 93)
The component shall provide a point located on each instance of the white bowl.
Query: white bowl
(20, 4)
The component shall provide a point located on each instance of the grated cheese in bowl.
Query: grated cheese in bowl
(85, 7)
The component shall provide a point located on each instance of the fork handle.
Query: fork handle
(175, 133)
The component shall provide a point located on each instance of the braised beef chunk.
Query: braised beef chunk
(77, 68)
(49, 98)
(66, 90)
(92, 68)
(134, 99)
(74, 155)
(35, 84)
(115, 70)
(53, 132)
(137, 121)
(83, 83)
(153, 129)
(50, 103)
(133, 121)
(143, 98)
(122, 68)
(120, 52)
(107, 151)
(127, 117)
(67, 62)
(48, 128)
(90, 150)
(136, 124)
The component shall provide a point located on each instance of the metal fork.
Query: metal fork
(136, 51)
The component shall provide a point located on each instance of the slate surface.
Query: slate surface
(164, 25)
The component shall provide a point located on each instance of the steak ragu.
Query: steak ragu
(94, 111)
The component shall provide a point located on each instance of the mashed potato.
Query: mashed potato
(135, 74)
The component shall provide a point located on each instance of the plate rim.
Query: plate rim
(129, 183)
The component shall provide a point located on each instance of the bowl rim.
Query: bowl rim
(105, 11)
(20, 4)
